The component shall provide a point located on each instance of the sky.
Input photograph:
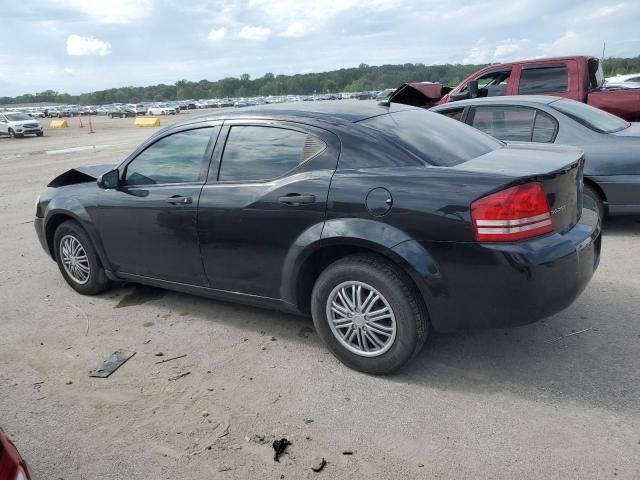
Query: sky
(77, 46)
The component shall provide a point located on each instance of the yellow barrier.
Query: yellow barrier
(58, 124)
(147, 122)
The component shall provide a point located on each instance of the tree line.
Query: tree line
(358, 79)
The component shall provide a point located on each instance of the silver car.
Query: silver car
(16, 125)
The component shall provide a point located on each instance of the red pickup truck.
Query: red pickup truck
(578, 78)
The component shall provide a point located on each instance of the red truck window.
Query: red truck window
(545, 79)
(495, 83)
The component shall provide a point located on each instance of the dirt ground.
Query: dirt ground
(528, 402)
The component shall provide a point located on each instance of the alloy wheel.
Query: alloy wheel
(74, 259)
(361, 319)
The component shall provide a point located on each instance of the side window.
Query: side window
(456, 114)
(544, 129)
(495, 83)
(177, 158)
(505, 123)
(543, 80)
(262, 153)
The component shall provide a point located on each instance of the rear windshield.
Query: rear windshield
(435, 138)
(591, 117)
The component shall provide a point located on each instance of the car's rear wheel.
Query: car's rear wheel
(77, 259)
(369, 313)
(593, 199)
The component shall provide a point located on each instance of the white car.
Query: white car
(161, 109)
(17, 125)
(631, 80)
(139, 108)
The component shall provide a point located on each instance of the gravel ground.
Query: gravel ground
(527, 402)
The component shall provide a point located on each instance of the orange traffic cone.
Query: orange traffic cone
(91, 130)
(81, 125)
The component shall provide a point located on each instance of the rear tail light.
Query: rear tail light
(512, 214)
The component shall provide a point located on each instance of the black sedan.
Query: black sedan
(381, 222)
(121, 112)
(611, 144)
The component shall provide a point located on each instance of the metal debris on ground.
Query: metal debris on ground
(111, 364)
(279, 446)
(172, 358)
(347, 452)
(179, 376)
(320, 465)
(569, 334)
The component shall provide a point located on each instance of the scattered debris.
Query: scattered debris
(169, 359)
(224, 468)
(277, 397)
(279, 446)
(347, 452)
(205, 413)
(159, 354)
(224, 430)
(38, 383)
(68, 382)
(111, 364)
(261, 439)
(308, 420)
(319, 465)
(569, 334)
(420, 465)
(263, 347)
(179, 376)
(273, 339)
(148, 340)
(41, 398)
(148, 324)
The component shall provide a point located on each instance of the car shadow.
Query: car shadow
(621, 226)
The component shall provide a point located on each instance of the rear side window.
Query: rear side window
(544, 129)
(177, 158)
(433, 138)
(255, 153)
(543, 80)
(505, 123)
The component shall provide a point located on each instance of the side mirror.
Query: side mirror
(109, 180)
(473, 89)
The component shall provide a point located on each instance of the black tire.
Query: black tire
(40, 134)
(97, 280)
(396, 287)
(591, 195)
(12, 134)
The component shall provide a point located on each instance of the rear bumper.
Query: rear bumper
(494, 285)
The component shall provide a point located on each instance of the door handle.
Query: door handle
(294, 199)
(179, 200)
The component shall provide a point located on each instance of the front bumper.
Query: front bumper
(506, 285)
(40, 231)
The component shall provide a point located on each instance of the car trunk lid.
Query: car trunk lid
(558, 169)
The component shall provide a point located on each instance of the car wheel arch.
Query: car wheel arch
(320, 258)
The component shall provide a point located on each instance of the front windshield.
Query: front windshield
(591, 117)
(16, 117)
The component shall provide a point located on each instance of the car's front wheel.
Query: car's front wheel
(77, 259)
(369, 313)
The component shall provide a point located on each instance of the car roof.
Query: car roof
(325, 110)
(503, 100)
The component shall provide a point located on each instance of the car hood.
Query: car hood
(17, 123)
(85, 174)
(632, 131)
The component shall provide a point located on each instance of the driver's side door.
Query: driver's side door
(148, 225)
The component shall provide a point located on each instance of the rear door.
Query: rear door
(555, 78)
(269, 189)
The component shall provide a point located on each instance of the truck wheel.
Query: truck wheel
(77, 259)
(592, 199)
(369, 313)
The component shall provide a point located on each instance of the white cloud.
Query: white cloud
(110, 11)
(254, 33)
(77, 45)
(217, 34)
(68, 71)
(479, 53)
(294, 30)
(505, 51)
